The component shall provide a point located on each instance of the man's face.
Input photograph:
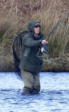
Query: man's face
(37, 30)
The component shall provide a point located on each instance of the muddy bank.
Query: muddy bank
(56, 64)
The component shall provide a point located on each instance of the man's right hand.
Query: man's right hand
(44, 42)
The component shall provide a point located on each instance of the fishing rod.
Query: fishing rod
(64, 18)
(53, 29)
(45, 48)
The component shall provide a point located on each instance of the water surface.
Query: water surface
(53, 97)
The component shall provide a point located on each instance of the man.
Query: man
(31, 60)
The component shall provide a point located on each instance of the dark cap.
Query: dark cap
(37, 24)
(33, 24)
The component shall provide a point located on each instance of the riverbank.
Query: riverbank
(56, 64)
(50, 64)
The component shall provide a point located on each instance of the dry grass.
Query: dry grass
(14, 17)
(59, 38)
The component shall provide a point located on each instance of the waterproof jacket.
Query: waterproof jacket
(31, 60)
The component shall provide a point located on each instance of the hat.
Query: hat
(37, 24)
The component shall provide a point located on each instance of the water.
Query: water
(53, 97)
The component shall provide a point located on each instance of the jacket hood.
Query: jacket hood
(33, 24)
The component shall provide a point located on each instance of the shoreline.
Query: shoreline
(57, 64)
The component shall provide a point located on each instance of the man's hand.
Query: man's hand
(44, 42)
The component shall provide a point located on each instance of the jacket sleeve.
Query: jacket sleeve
(30, 42)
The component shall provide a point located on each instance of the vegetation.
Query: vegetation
(54, 18)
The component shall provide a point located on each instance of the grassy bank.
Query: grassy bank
(55, 27)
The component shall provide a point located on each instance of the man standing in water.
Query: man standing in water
(31, 60)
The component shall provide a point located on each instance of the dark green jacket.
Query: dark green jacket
(30, 59)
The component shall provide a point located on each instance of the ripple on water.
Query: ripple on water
(50, 98)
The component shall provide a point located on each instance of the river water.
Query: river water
(53, 97)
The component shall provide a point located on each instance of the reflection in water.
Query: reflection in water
(53, 97)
